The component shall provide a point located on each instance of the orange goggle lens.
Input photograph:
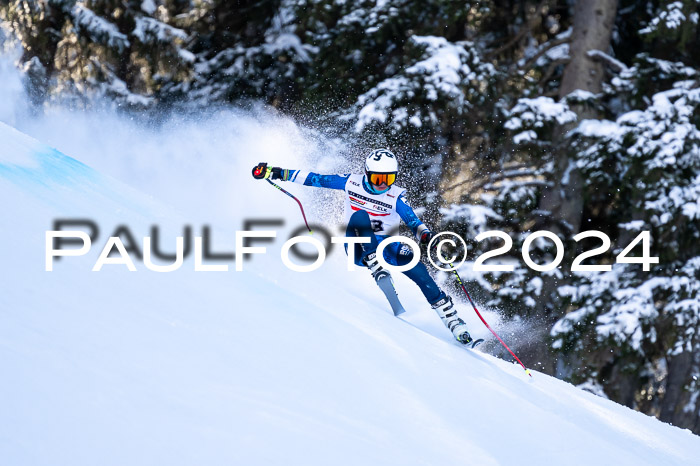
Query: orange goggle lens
(382, 178)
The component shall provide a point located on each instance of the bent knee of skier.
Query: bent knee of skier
(360, 226)
(401, 254)
(359, 221)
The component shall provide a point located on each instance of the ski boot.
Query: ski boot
(378, 272)
(445, 309)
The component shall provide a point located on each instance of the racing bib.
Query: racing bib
(380, 207)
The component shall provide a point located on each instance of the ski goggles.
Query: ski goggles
(378, 179)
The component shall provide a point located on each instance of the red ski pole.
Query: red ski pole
(293, 197)
(459, 280)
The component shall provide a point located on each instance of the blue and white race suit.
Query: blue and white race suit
(376, 215)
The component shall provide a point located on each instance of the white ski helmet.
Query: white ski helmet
(381, 167)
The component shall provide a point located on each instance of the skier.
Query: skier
(374, 206)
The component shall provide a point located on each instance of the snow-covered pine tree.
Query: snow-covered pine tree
(245, 50)
(401, 74)
(636, 332)
(509, 158)
(617, 318)
(88, 49)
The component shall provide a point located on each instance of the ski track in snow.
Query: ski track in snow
(264, 366)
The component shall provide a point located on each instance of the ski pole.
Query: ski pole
(261, 171)
(459, 280)
(298, 202)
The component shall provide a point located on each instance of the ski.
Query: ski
(387, 286)
(476, 343)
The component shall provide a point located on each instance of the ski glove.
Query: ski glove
(262, 172)
(424, 235)
(277, 173)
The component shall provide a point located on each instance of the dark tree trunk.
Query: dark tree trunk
(592, 30)
(679, 406)
(593, 23)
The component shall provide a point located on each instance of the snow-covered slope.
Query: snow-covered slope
(264, 366)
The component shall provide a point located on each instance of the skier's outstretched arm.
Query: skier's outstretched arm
(422, 232)
(305, 178)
